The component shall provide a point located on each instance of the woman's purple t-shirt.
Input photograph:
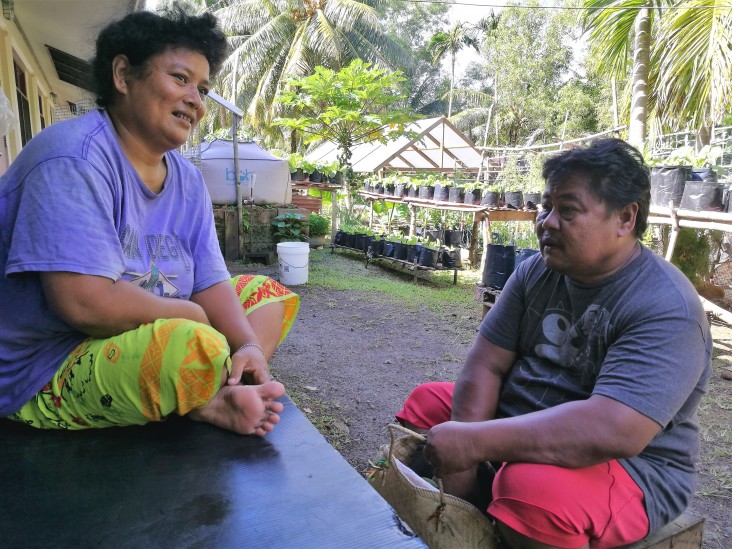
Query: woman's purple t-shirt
(72, 202)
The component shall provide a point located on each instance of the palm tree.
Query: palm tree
(277, 39)
(450, 43)
(612, 25)
(694, 65)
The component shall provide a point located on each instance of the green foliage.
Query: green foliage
(533, 181)
(511, 177)
(319, 225)
(529, 57)
(691, 254)
(273, 41)
(296, 161)
(290, 226)
(355, 105)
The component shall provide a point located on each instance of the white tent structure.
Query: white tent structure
(263, 177)
(439, 147)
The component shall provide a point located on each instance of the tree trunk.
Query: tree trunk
(703, 137)
(641, 61)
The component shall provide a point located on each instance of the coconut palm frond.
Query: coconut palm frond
(610, 26)
(694, 62)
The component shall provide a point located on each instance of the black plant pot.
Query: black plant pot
(339, 237)
(434, 235)
(337, 179)
(702, 196)
(426, 192)
(453, 237)
(297, 175)
(499, 264)
(440, 193)
(456, 194)
(450, 259)
(348, 240)
(358, 241)
(514, 199)
(367, 187)
(704, 174)
(400, 251)
(428, 257)
(667, 184)
(316, 177)
(472, 197)
(532, 200)
(379, 188)
(367, 242)
(491, 199)
(412, 192)
(389, 189)
(377, 247)
(522, 254)
(389, 249)
(410, 252)
(400, 190)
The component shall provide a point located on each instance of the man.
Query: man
(586, 376)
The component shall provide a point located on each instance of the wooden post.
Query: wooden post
(371, 213)
(333, 214)
(412, 219)
(674, 232)
(473, 238)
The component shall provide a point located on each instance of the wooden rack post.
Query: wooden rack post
(677, 218)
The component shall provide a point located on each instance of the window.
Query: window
(41, 110)
(23, 105)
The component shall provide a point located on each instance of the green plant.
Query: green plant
(295, 160)
(691, 254)
(511, 176)
(290, 226)
(307, 166)
(533, 182)
(319, 225)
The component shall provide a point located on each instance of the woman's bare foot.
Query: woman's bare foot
(244, 409)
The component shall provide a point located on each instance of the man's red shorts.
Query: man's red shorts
(600, 505)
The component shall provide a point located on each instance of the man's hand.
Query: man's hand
(249, 362)
(451, 447)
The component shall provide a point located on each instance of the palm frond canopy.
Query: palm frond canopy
(277, 39)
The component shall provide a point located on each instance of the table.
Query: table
(185, 484)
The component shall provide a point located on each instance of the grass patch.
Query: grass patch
(345, 270)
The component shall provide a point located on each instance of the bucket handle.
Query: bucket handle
(293, 266)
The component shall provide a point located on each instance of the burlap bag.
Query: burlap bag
(443, 521)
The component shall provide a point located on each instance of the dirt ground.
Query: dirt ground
(352, 358)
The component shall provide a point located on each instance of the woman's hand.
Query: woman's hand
(250, 363)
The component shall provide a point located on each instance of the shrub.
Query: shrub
(319, 225)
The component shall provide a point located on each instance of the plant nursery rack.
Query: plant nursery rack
(412, 266)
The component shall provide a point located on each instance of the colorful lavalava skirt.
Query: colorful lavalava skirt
(168, 366)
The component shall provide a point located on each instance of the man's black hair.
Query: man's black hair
(617, 174)
(143, 34)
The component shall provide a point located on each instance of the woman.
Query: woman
(117, 308)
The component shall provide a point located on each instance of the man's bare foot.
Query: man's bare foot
(244, 409)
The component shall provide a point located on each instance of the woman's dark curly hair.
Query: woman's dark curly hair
(143, 34)
(617, 173)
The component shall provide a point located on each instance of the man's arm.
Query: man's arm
(574, 434)
(475, 399)
(479, 384)
(101, 307)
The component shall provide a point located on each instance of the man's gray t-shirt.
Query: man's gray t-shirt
(640, 337)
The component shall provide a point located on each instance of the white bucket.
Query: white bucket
(293, 258)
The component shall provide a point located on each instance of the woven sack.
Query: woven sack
(442, 521)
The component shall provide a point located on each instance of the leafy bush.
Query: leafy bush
(319, 225)
(290, 227)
